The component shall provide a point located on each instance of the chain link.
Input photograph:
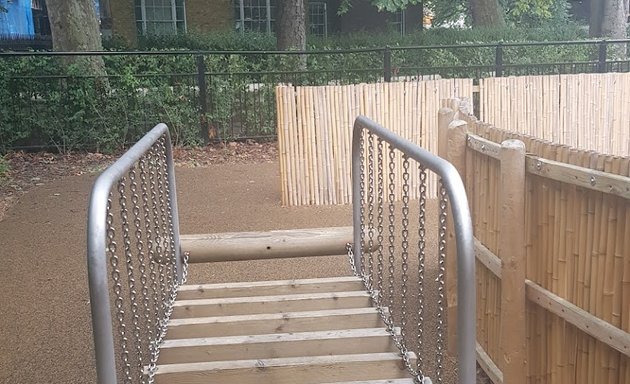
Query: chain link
(421, 258)
(379, 213)
(405, 244)
(362, 198)
(391, 228)
(112, 255)
(370, 202)
(441, 283)
(131, 281)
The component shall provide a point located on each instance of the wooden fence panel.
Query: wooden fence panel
(578, 249)
(585, 111)
(315, 129)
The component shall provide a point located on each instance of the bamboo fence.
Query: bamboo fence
(577, 260)
(585, 111)
(315, 129)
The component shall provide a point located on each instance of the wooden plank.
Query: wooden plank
(233, 246)
(274, 322)
(269, 346)
(304, 370)
(580, 176)
(488, 366)
(511, 201)
(481, 145)
(391, 381)
(598, 328)
(487, 258)
(269, 304)
(266, 288)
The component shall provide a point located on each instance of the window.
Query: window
(259, 16)
(255, 15)
(318, 18)
(397, 22)
(160, 17)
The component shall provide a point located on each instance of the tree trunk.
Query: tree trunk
(608, 19)
(74, 28)
(291, 25)
(487, 13)
(595, 20)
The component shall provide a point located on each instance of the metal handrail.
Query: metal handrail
(466, 315)
(97, 242)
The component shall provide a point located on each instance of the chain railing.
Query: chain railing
(134, 259)
(390, 179)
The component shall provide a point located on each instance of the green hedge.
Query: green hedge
(42, 102)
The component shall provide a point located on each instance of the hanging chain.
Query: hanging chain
(362, 202)
(131, 281)
(370, 254)
(421, 258)
(441, 275)
(379, 214)
(391, 228)
(112, 255)
(405, 243)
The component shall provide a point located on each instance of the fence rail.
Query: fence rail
(133, 259)
(228, 95)
(553, 298)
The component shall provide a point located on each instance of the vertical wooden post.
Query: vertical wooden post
(452, 147)
(513, 258)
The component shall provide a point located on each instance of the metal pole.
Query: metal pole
(603, 54)
(498, 60)
(387, 64)
(203, 100)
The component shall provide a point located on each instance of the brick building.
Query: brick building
(129, 19)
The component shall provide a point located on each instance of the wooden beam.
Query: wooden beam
(275, 322)
(488, 366)
(393, 381)
(513, 256)
(598, 328)
(487, 258)
(267, 288)
(304, 370)
(580, 176)
(270, 304)
(233, 246)
(268, 346)
(481, 145)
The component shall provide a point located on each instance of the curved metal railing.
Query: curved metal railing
(133, 259)
(401, 268)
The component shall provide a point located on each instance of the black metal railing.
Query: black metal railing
(230, 95)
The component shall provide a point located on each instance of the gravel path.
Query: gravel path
(45, 321)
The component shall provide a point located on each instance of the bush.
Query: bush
(4, 168)
(44, 103)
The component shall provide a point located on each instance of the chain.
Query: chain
(362, 203)
(391, 238)
(421, 258)
(379, 213)
(405, 243)
(112, 255)
(370, 260)
(141, 253)
(135, 318)
(441, 272)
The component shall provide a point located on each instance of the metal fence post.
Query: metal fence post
(498, 60)
(203, 100)
(603, 53)
(387, 64)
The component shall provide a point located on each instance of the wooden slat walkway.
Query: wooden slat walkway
(290, 331)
